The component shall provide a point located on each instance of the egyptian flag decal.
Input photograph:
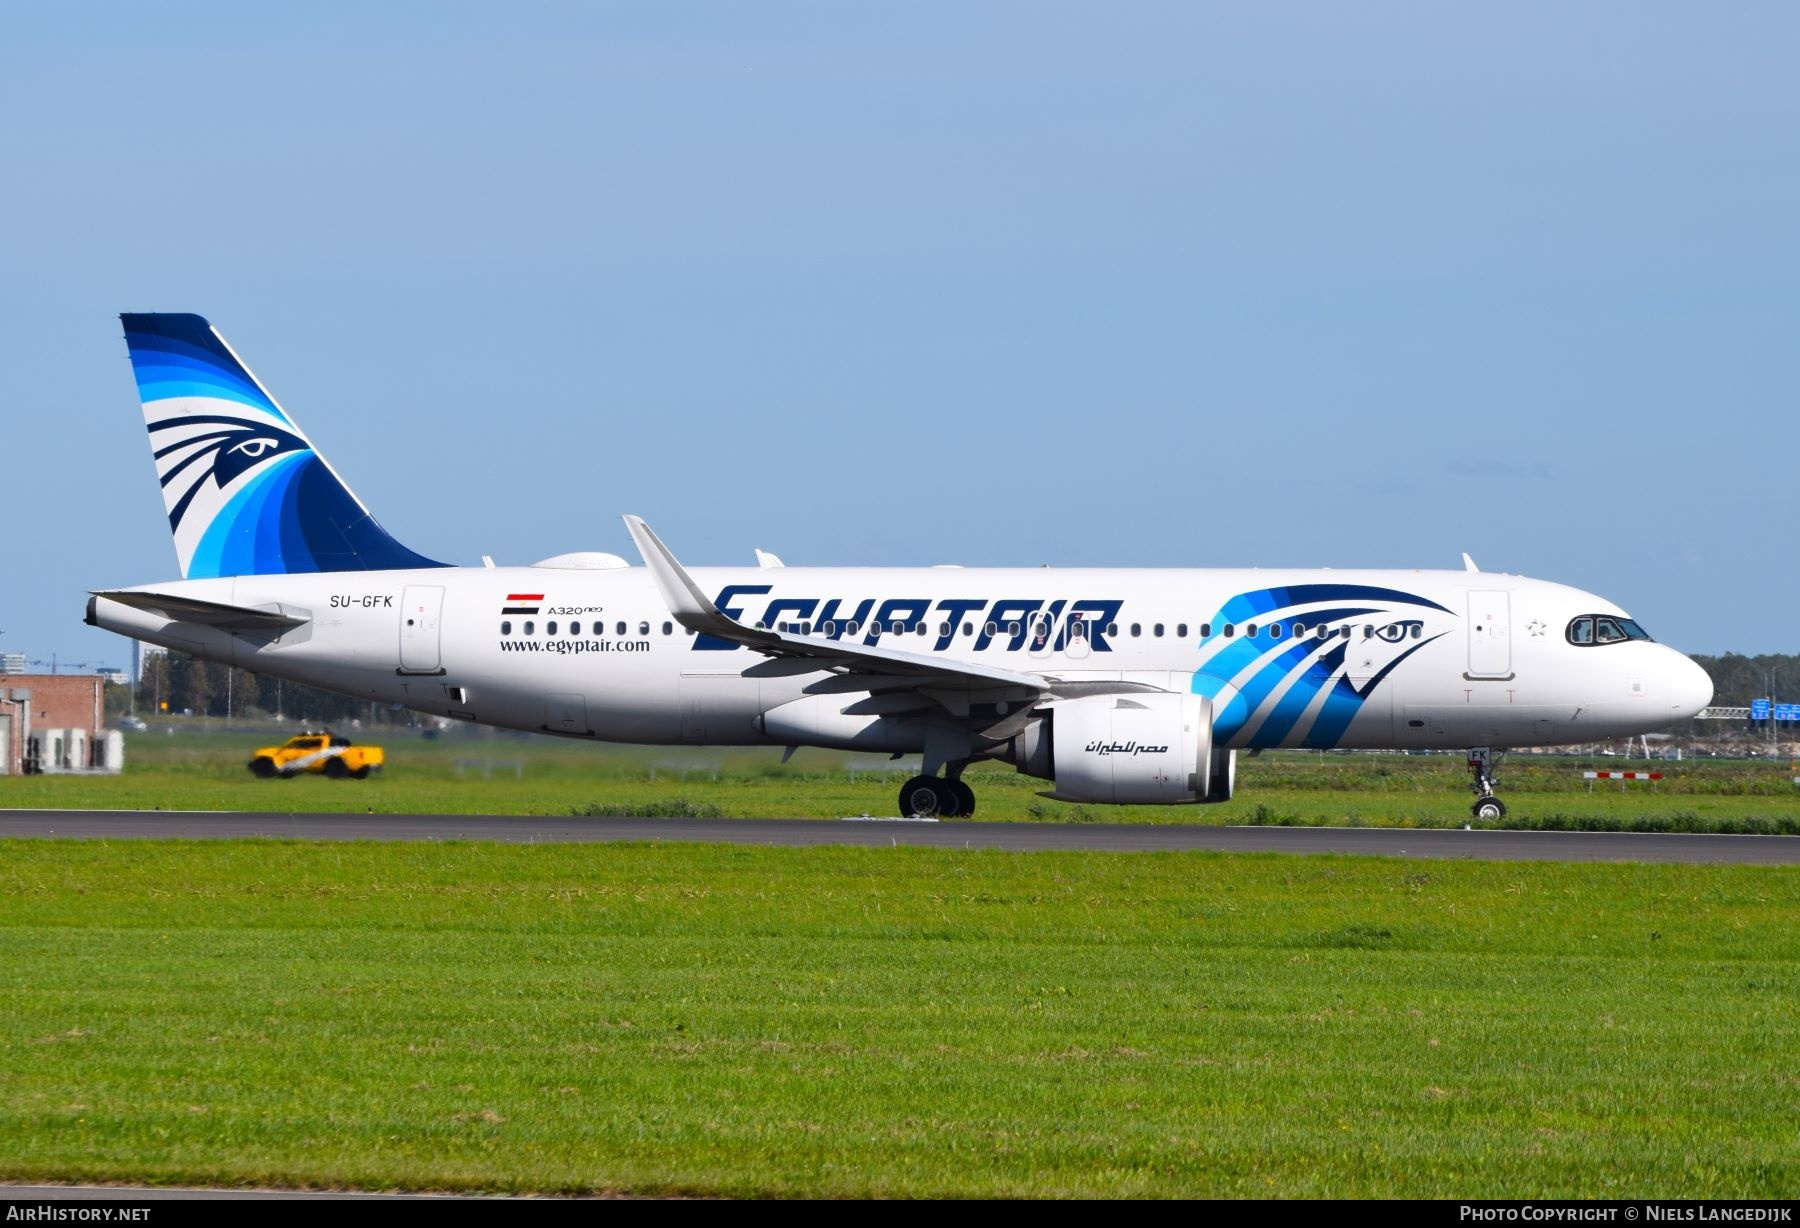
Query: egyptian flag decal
(515, 603)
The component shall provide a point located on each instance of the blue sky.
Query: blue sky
(1004, 284)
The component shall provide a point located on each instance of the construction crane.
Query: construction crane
(79, 666)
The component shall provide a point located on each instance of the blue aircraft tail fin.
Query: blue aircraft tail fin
(246, 492)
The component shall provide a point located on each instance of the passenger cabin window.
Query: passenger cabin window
(1137, 629)
(1230, 630)
(1206, 631)
(1181, 631)
(506, 627)
(668, 628)
(1274, 631)
(644, 627)
(575, 628)
(550, 627)
(1250, 630)
(1157, 629)
(530, 629)
(621, 629)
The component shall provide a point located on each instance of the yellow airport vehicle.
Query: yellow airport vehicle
(324, 753)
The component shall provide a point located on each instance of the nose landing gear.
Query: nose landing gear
(1487, 807)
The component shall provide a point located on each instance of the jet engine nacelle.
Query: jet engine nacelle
(1140, 749)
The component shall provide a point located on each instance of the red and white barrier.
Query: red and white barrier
(1621, 775)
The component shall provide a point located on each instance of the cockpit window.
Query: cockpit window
(1591, 629)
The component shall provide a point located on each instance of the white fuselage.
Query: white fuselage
(1328, 659)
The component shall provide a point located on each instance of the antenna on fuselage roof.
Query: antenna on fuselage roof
(765, 559)
(1469, 563)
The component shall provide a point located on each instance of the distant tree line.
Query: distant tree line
(205, 688)
(1739, 679)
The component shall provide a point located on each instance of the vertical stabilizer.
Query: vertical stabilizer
(246, 492)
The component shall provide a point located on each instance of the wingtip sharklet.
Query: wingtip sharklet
(690, 606)
(695, 611)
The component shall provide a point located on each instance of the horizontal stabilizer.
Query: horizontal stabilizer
(210, 613)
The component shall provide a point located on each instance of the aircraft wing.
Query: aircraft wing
(694, 610)
(211, 613)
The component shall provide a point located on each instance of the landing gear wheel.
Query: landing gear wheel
(926, 797)
(1488, 809)
(262, 767)
(336, 769)
(956, 800)
(965, 801)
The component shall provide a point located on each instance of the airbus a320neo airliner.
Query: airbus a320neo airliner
(1116, 686)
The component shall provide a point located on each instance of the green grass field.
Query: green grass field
(755, 1021)
(505, 775)
(749, 1021)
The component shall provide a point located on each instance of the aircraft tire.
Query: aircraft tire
(925, 797)
(1489, 809)
(965, 801)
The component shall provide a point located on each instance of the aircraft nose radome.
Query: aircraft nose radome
(1693, 688)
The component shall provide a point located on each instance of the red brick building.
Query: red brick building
(53, 722)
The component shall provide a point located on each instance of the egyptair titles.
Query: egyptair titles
(1012, 624)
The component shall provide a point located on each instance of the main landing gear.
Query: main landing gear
(938, 797)
(1487, 807)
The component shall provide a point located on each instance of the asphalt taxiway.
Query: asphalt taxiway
(1477, 844)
